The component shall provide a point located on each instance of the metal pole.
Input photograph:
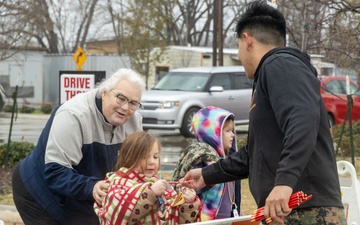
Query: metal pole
(350, 104)
(215, 18)
(221, 41)
(349, 116)
(11, 125)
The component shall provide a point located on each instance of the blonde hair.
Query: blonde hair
(135, 148)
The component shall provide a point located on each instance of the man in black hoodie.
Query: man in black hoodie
(289, 143)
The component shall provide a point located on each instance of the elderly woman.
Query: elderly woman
(59, 181)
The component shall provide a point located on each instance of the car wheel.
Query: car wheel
(186, 127)
(331, 120)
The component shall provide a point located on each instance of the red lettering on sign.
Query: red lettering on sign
(87, 82)
(77, 82)
(69, 94)
(66, 82)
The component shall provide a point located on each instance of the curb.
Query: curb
(9, 215)
(25, 115)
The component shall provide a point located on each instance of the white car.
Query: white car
(173, 101)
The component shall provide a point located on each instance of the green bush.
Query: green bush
(18, 151)
(27, 109)
(8, 108)
(46, 108)
(342, 133)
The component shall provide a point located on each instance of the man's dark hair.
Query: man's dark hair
(265, 23)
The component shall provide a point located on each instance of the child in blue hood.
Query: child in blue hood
(214, 130)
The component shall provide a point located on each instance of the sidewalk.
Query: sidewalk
(25, 115)
(10, 215)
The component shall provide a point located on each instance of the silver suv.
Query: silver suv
(173, 101)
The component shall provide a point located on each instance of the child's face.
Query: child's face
(228, 136)
(150, 165)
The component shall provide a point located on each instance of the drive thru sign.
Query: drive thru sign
(75, 82)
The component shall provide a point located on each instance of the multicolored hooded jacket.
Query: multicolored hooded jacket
(208, 125)
(130, 200)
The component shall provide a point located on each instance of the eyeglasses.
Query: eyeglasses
(122, 100)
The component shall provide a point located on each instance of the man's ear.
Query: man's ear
(248, 40)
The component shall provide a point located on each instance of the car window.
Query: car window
(353, 89)
(334, 87)
(221, 79)
(181, 81)
(241, 81)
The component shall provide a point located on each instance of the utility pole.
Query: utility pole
(215, 28)
(221, 38)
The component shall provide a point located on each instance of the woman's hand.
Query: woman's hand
(100, 190)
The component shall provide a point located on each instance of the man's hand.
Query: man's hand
(99, 191)
(193, 179)
(277, 203)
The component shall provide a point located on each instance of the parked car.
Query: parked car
(173, 101)
(333, 92)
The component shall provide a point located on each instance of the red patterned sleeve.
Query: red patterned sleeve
(190, 212)
(145, 204)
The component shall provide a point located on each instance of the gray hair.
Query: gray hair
(121, 74)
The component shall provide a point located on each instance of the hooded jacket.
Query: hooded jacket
(208, 124)
(289, 137)
(130, 200)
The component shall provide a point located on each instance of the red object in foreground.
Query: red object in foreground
(296, 199)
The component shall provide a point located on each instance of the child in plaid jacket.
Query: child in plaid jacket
(137, 196)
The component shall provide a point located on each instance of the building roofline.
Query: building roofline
(25, 48)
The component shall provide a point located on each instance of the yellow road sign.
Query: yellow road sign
(79, 57)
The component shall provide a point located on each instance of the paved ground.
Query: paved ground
(9, 215)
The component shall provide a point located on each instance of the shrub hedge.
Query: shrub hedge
(17, 152)
(46, 108)
(342, 133)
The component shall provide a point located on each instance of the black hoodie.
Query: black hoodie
(289, 139)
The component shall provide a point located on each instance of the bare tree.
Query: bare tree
(141, 28)
(115, 11)
(327, 27)
(232, 12)
(58, 25)
(15, 24)
(83, 29)
(342, 45)
(305, 21)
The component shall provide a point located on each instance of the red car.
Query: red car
(333, 92)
